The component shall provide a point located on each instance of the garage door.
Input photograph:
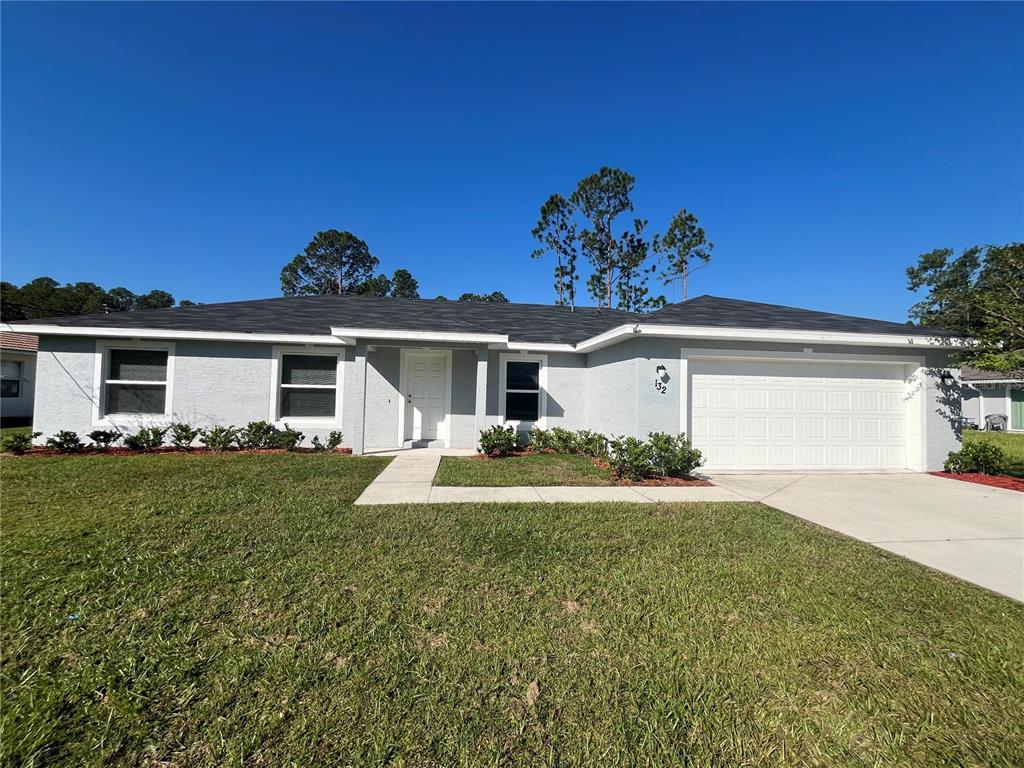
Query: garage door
(749, 415)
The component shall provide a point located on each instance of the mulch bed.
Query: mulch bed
(996, 481)
(649, 481)
(38, 453)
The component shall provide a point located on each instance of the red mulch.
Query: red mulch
(996, 481)
(650, 481)
(38, 453)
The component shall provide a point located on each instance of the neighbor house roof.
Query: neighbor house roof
(969, 374)
(529, 323)
(18, 342)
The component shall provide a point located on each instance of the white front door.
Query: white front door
(427, 382)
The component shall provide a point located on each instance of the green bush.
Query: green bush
(182, 436)
(592, 444)
(146, 439)
(65, 441)
(287, 438)
(257, 434)
(539, 439)
(498, 440)
(104, 438)
(674, 455)
(631, 458)
(333, 442)
(985, 458)
(219, 439)
(563, 440)
(20, 442)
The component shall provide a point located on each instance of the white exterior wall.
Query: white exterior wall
(613, 390)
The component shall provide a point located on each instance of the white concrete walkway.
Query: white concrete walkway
(409, 479)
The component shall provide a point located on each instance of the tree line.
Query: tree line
(622, 257)
(45, 297)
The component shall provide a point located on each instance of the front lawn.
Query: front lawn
(1012, 444)
(238, 610)
(529, 469)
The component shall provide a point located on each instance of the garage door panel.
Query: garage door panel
(750, 415)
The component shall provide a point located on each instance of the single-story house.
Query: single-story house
(17, 377)
(993, 394)
(757, 386)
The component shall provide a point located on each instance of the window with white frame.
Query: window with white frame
(308, 386)
(135, 382)
(522, 390)
(10, 378)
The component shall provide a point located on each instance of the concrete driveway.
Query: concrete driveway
(967, 530)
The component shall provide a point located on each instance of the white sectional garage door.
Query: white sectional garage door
(751, 415)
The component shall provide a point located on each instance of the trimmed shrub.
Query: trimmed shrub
(182, 436)
(592, 444)
(333, 441)
(631, 458)
(146, 439)
(20, 442)
(219, 439)
(498, 440)
(563, 440)
(674, 455)
(257, 434)
(104, 438)
(287, 438)
(539, 439)
(65, 441)
(985, 458)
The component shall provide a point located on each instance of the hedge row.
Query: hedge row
(254, 435)
(661, 455)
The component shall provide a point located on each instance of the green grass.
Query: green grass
(1012, 444)
(533, 469)
(5, 431)
(238, 610)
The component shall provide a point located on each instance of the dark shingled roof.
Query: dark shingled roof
(969, 374)
(736, 313)
(544, 323)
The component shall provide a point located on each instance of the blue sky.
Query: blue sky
(197, 148)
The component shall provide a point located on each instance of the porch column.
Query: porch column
(354, 403)
(481, 393)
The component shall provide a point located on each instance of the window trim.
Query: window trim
(542, 387)
(100, 418)
(20, 379)
(277, 387)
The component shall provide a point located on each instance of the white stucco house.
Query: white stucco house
(17, 377)
(756, 386)
(993, 394)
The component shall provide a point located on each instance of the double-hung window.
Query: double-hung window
(523, 389)
(10, 378)
(135, 382)
(308, 387)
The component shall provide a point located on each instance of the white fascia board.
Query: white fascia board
(389, 334)
(969, 382)
(767, 335)
(153, 333)
(535, 346)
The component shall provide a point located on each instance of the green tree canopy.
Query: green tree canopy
(683, 244)
(333, 262)
(404, 285)
(45, 297)
(494, 297)
(979, 293)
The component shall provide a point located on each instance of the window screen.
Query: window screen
(309, 386)
(127, 387)
(522, 390)
(138, 365)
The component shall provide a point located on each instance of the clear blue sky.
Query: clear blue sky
(197, 148)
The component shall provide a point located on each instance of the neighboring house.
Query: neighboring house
(17, 377)
(757, 386)
(987, 393)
